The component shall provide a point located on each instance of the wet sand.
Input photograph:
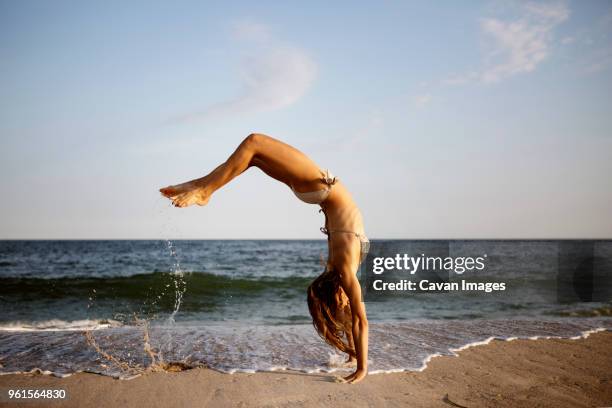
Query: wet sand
(519, 373)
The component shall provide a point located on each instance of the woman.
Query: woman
(334, 298)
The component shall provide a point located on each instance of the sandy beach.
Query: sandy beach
(519, 373)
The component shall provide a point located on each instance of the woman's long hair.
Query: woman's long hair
(331, 319)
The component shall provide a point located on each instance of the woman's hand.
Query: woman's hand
(357, 376)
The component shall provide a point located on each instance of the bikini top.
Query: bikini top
(318, 196)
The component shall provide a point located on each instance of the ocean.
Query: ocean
(122, 307)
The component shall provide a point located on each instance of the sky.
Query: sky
(457, 119)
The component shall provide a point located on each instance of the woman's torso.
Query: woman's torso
(341, 211)
(343, 219)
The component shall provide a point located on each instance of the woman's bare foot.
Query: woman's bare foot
(186, 194)
(357, 376)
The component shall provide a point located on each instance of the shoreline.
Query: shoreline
(521, 372)
(339, 370)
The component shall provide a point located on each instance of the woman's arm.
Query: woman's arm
(351, 343)
(350, 285)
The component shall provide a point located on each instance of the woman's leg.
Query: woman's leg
(198, 191)
(275, 158)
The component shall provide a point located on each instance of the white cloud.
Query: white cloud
(516, 46)
(273, 76)
(422, 100)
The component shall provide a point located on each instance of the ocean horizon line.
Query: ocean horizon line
(313, 239)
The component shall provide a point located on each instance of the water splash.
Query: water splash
(178, 277)
(156, 356)
(180, 286)
(157, 361)
(124, 366)
(130, 369)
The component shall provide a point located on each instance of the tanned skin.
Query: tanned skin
(292, 167)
